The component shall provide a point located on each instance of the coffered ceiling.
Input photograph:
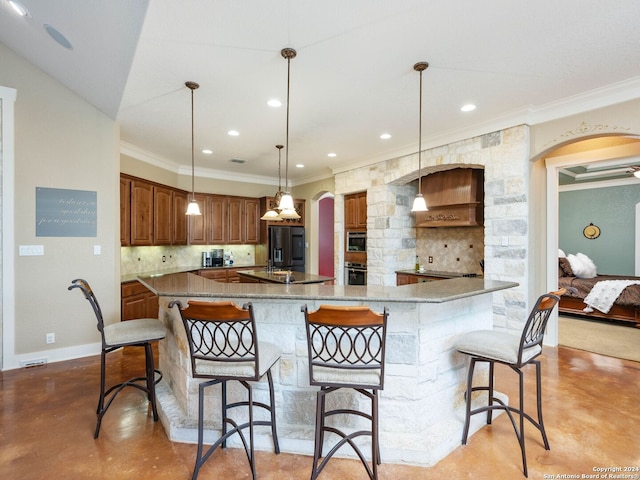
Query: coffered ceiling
(351, 81)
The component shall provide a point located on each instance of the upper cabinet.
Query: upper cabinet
(153, 214)
(355, 211)
(125, 211)
(141, 213)
(455, 198)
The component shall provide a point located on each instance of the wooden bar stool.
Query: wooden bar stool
(346, 350)
(130, 333)
(224, 346)
(516, 352)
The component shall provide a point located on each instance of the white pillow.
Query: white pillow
(592, 270)
(582, 266)
(561, 253)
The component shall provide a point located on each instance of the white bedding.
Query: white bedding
(604, 294)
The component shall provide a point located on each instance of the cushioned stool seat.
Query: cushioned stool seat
(515, 351)
(346, 350)
(129, 333)
(223, 347)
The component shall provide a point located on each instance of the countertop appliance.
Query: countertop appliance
(355, 273)
(286, 248)
(217, 257)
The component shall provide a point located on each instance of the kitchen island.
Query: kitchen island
(421, 406)
(281, 277)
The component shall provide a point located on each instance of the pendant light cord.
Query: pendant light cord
(193, 191)
(286, 156)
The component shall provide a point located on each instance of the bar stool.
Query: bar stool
(346, 350)
(130, 333)
(223, 346)
(515, 351)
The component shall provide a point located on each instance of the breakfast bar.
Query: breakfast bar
(421, 406)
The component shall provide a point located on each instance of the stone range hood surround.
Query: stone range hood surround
(391, 232)
(455, 198)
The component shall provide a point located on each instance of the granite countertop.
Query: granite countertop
(191, 285)
(280, 276)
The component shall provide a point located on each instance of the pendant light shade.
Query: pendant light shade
(193, 208)
(419, 204)
(272, 214)
(285, 206)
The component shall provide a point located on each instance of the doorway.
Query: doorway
(591, 161)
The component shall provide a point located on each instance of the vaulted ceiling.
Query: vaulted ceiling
(352, 79)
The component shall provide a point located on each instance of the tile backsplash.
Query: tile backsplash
(451, 249)
(134, 260)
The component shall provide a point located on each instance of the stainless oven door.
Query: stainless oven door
(355, 276)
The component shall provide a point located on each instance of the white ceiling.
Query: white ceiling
(352, 79)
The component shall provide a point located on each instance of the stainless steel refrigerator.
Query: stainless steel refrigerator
(286, 248)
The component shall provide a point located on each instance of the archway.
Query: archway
(582, 152)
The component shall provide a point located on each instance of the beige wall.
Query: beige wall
(60, 142)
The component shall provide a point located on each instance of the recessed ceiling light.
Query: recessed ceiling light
(274, 103)
(299, 165)
(19, 8)
(385, 136)
(207, 151)
(233, 133)
(331, 154)
(469, 107)
(58, 37)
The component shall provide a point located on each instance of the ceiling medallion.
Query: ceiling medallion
(591, 231)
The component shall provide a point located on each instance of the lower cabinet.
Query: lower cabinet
(408, 278)
(137, 301)
(224, 275)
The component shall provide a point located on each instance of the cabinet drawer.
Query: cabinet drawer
(132, 288)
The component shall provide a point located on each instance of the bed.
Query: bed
(626, 307)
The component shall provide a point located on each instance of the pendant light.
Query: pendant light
(419, 204)
(285, 206)
(193, 208)
(272, 214)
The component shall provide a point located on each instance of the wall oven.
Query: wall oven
(356, 241)
(355, 273)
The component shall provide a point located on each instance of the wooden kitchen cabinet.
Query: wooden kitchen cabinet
(198, 225)
(180, 219)
(408, 278)
(218, 218)
(355, 211)
(141, 213)
(125, 211)
(252, 221)
(162, 215)
(137, 301)
(217, 274)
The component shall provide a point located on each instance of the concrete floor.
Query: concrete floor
(47, 418)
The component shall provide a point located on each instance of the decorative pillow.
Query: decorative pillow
(582, 265)
(591, 269)
(565, 268)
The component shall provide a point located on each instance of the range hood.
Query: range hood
(455, 198)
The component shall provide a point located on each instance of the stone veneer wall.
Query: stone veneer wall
(391, 186)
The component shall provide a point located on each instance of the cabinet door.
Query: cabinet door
(218, 220)
(141, 213)
(361, 215)
(236, 220)
(350, 211)
(252, 221)
(125, 211)
(180, 202)
(217, 274)
(198, 225)
(162, 216)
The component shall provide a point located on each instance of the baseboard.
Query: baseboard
(49, 356)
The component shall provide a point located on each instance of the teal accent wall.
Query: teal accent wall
(613, 210)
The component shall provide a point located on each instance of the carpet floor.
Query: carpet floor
(605, 338)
